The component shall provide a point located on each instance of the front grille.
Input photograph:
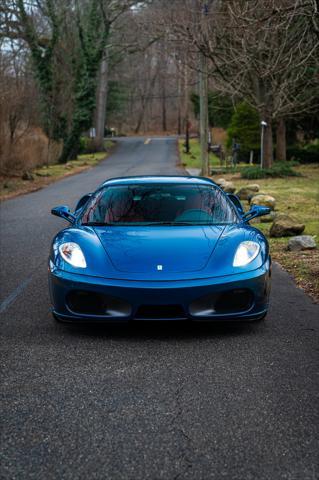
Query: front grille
(160, 312)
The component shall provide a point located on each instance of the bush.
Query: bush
(88, 145)
(307, 154)
(245, 129)
(220, 109)
(279, 170)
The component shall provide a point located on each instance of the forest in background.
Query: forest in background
(128, 67)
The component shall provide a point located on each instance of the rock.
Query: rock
(254, 187)
(285, 226)
(228, 187)
(264, 200)
(253, 194)
(301, 242)
(27, 176)
(268, 218)
(220, 181)
(245, 192)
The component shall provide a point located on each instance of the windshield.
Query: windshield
(158, 205)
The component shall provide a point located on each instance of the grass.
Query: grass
(297, 197)
(13, 186)
(192, 159)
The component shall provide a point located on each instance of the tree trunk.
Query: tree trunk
(268, 145)
(179, 121)
(164, 121)
(281, 155)
(203, 98)
(186, 109)
(179, 114)
(101, 103)
(140, 117)
(144, 101)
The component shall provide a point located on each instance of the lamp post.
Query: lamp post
(263, 125)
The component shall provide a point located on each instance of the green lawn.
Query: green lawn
(297, 197)
(192, 160)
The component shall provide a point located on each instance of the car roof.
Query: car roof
(164, 179)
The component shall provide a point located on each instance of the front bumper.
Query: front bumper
(168, 300)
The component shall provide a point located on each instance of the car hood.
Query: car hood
(166, 249)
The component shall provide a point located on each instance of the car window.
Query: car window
(159, 204)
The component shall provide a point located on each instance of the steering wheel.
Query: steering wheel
(194, 215)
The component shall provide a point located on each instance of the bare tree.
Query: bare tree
(47, 27)
(262, 51)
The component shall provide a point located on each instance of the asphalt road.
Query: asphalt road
(148, 401)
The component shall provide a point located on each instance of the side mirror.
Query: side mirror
(233, 198)
(83, 201)
(63, 212)
(256, 211)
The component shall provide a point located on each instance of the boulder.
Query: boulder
(264, 200)
(28, 176)
(228, 187)
(268, 218)
(254, 194)
(285, 226)
(245, 192)
(301, 242)
(254, 187)
(220, 181)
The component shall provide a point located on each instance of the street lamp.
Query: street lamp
(263, 126)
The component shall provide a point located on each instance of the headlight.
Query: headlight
(72, 253)
(246, 253)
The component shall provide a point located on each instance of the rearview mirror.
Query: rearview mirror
(83, 201)
(63, 211)
(256, 211)
(236, 202)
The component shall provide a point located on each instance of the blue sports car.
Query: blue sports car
(159, 248)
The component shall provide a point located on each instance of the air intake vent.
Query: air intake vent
(234, 301)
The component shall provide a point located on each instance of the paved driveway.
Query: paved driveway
(147, 401)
